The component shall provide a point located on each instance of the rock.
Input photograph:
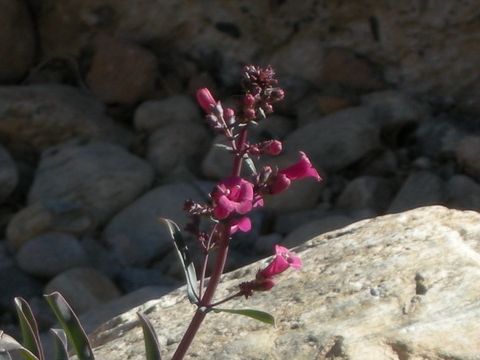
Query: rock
(344, 68)
(50, 254)
(83, 288)
(265, 244)
(51, 215)
(382, 288)
(135, 235)
(8, 174)
(466, 154)
(319, 226)
(463, 193)
(218, 161)
(366, 192)
(100, 257)
(134, 278)
(438, 137)
(154, 114)
(112, 57)
(178, 147)
(5, 258)
(289, 221)
(316, 106)
(419, 189)
(301, 195)
(17, 39)
(139, 299)
(337, 140)
(39, 116)
(394, 108)
(99, 177)
(15, 282)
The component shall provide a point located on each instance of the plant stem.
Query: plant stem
(223, 242)
(237, 294)
(237, 164)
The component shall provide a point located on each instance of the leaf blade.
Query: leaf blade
(185, 259)
(8, 344)
(71, 325)
(29, 328)
(251, 313)
(60, 342)
(152, 347)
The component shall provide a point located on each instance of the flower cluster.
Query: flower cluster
(234, 197)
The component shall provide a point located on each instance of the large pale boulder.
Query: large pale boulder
(402, 286)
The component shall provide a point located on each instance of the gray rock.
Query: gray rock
(337, 140)
(373, 290)
(316, 106)
(139, 299)
(131, 279)
(8, 174)
(17, 39)
(155, 114)
(419, 189)
(463, 193)
(289, 221)
(137, 66)
(100, 257)
(301, 195)
(466, 154)
(438, 137)
(51, 215)
(366, 192)
(83, 288)
(218, 161)
(320, 226)
(100, 177)
(40, 116)
(50, 254)
(6, 259)
(394, 108)
(15, 282)
(265, 244)
(136, 235)
(178, 147)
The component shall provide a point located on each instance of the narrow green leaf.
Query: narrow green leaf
(251, 165)
(185, 259)
(70, 323)
(152, 347)
(29, 328)
(254, 314)
(9, 344)
(60, 342)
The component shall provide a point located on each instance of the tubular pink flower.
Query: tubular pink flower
(205, 100)
(282, 261)
(303, 168)
(233, 195)
(281, 183)
(242, 224)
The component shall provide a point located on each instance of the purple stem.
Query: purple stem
(222, 233)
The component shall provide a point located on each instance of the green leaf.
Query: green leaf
(61, 345)
(251, 165)
(8, 344)
(29, 328)
(152, 347)
(254, 314)
(70, 323)
(185, 259)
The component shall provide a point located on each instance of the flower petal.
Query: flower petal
(243, 224)
(303, 168)
(223, 207)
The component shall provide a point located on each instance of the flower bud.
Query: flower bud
(277, 94)
(205, 100)
(272, 147)
(250, 113)
(248, 100)
(228, 113)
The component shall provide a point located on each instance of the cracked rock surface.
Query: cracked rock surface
(401, 286)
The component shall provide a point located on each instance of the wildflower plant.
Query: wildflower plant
(212, 224)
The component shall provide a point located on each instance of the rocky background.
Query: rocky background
(100, 136)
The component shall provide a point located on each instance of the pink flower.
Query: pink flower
(282, 261)
(242, 224)
(205, 100)
(302, 169)
(233, 195)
